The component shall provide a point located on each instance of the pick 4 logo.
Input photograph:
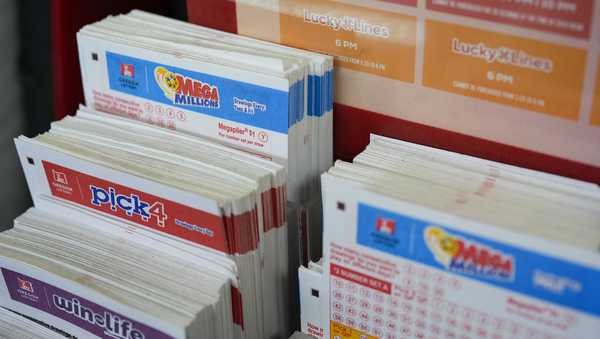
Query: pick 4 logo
(186, 91)
(130, 204)
(468, 257)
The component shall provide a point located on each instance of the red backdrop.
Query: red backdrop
(67, 17)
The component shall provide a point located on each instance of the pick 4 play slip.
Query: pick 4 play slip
(225, 205)
(261, 97)
(424, 243)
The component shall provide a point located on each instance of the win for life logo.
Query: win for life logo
(468, 257)
(131, 204)
(186, 91)
(110, 324)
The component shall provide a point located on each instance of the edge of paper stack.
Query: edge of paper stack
(422, 242)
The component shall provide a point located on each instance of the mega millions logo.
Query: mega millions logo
(468, 257)
(186, 91)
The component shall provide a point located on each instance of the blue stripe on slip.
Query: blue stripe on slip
(500, 264)
(229, 99)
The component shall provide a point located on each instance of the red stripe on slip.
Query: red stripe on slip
(267, 210)
(242, 232)
(236, 305)
(136, 206)
(361, 279)
(278, 207)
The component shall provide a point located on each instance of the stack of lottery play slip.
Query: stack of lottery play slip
(93, 278)
(257, 96)
(425, 243)
(225, 206)
(13, 325)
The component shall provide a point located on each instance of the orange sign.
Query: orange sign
(524, 73)
(362, 39)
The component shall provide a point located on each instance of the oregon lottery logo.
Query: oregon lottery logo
(25, 285)
(127, 70)
(130, 204)
(468, 257)
(183, 90)
(385, 225)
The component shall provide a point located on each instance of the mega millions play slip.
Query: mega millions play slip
(253, 95)
(424, 243)
(222, 207)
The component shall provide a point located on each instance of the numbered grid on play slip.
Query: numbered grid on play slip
(417, 307)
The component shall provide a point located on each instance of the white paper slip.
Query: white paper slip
(15, 326)
(99, 285)
(424, 243)
(228, 204)
(311, 308)
(260, 97)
